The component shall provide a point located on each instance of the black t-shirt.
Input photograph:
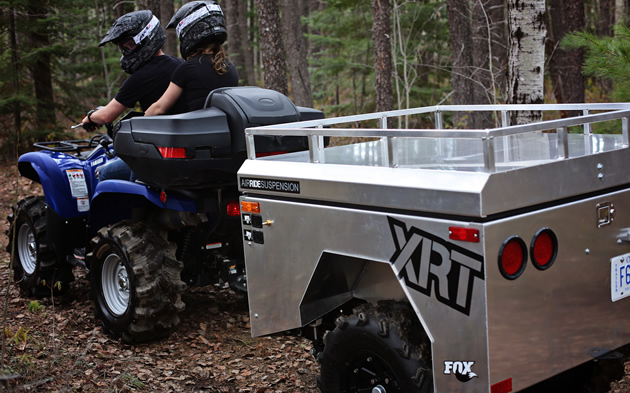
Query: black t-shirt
(148, 83)
(197, 78)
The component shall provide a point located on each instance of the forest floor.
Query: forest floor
(56, 345)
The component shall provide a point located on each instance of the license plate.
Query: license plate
(620, 277)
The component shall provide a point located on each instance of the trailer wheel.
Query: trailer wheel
(372, 350)
(34, 264)
(136, 284)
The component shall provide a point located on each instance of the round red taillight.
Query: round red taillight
(512, 257)
(544, 249)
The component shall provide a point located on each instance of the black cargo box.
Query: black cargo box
(212, 139)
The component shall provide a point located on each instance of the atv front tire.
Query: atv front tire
(376, 349)
(34, 265)
(136, 285)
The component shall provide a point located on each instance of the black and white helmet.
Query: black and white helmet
(138, 35)
(197, 23)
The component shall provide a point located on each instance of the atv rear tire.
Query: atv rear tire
(34, 264)
(373, 350)
(136, 284)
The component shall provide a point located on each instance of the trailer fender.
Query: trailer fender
(338, 279)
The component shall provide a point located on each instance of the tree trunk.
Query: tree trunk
(272, 47)
(565, 66)
(461, 58)
(154, 6)
(40, 68)
(296, 46)
(526, 57)
(17, 117)
(484, 88)
(246, 48)
(234, 41)
(497, 12)
(381, 35)
(606, 17)
(167, 9)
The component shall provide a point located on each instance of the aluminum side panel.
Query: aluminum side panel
(463, 193)
(546, 322)
(450, 301)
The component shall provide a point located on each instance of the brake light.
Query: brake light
(463, 234)
(233, 209)
(250, 207)
(512, 257)
(544, 249)
(273, 153)
(502, 387)
(172, 152)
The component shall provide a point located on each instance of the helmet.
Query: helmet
(138, 35)
(198, 22)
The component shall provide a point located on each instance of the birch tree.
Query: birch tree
(526, 63)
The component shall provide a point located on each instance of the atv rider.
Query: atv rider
(201, 30)
(140, 38)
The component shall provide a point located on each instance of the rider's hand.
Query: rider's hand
(88, 124)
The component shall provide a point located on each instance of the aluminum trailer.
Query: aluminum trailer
(510, 246)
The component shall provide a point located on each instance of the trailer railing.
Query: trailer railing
(316, 130)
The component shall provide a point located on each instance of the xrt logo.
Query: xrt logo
(425, 261)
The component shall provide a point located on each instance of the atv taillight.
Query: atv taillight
(173, 152)
(233, 209)
(544, 249)
(512, 257)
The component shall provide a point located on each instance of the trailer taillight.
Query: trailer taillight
(544, 249)
(463, 234)
(502, 387)
(233, 209)
(512, 257)
(173, 152)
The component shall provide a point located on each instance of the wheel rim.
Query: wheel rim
(115, 283)
(370, 374)
(27, 249)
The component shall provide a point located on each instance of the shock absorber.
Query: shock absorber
(187, 247)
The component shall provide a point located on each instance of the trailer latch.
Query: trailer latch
(605, 214)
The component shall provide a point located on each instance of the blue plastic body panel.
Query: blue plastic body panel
(50, 169)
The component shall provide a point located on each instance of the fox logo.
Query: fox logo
(429, 264)
(462, 370)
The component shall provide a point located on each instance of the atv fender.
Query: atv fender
(117, 200)
(49, 169)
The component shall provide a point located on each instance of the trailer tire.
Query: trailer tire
(35, 268)
(373, 347)
(136, 282)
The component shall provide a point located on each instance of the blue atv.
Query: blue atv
(145, 241)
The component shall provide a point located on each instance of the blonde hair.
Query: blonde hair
(218, 56)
